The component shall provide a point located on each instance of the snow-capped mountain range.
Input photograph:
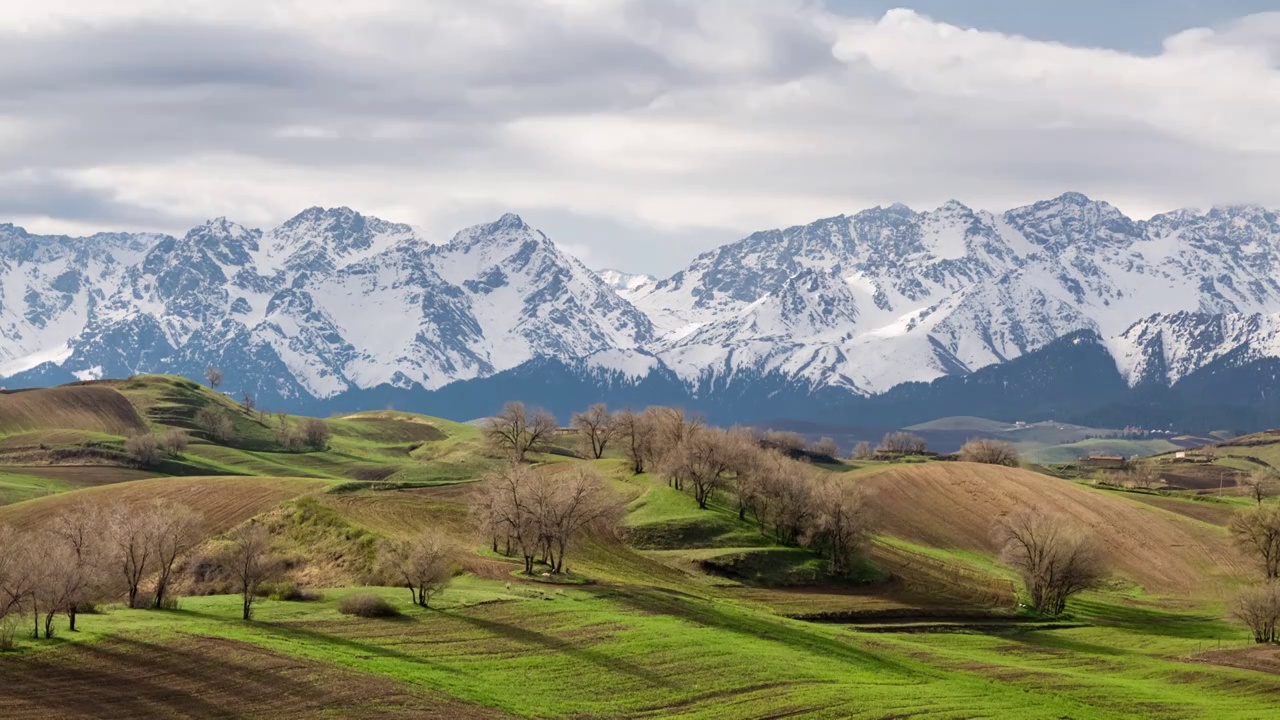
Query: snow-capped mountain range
(333, 302)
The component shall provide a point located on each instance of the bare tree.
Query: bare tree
(247, 401)
(143, 449)
(1257, 484)
(989, 452)
(516, 431)
(424, 565)
(903, 443)
(1256, 531)
(638, 433)
(174, 442)
(840, 527)
(539, 515)
(595, 429)
(706, 459)
(1054, 561)
(59, 581)
(1143, 476)
(83, 529)
(131, 536)
(576, 501)
(16, 571)
(315, 433)
(670, 428)
(864, 451)
(214, 376)
(1259, 608)
(176, 532)
(250, 558)
(826, 447)
(215, 424)
(790, 443)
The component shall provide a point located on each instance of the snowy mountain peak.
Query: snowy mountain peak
(624, 282)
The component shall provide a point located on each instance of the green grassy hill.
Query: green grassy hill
(675, 612)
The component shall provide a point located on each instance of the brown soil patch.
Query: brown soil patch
(99, 409)
(199, 677)
(1208, 512)
(1263, 658)
(956, 505)
(82, 476)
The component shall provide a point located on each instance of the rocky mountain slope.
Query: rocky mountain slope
(337, 307)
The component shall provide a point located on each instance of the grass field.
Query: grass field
(682, 612)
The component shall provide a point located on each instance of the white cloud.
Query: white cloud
(683, 121)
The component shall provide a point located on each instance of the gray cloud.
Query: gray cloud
(637, 131)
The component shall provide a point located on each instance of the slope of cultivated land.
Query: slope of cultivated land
(223, 502)
(71, 407)
(956, 505)
(185, 676)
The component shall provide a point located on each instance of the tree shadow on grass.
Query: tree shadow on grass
(536, 639)
(296, 632)
(710, 614)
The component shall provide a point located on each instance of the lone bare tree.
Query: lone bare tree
(176, 532)
(1256, 531)
(864, 451)
(424, 565)
(637, 433)
(989, 452)
(595, 429)
(214, 376)
(315, 433)
(1054, 561)
(17, 576)
(1258, 483)
(82, 529)
(1259, 608)
(250, 558)
(516, 431)
(131, 535)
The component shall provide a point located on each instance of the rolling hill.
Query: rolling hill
(679, 612)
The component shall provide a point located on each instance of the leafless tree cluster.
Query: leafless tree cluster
(215, 424)
(864, 451)
(799, 505)
(595, 428)
(310, 434)
(825, 447)
(705, 460)
(1259, 608)
(88, 554)
(425, 564)
(1054, 560)
(539, 515)
(903, 443)
(516, 431)
(989, 452)
(148, 449)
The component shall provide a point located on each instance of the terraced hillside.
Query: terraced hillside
(673, 611)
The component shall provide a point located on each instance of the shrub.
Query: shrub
(216, 425)
(143, 450)
(174, 442)
(989, 452)
(367, 605)
(315, 433)
(8, 634)
(290, 592)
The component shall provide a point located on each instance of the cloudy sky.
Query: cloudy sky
(635, 132)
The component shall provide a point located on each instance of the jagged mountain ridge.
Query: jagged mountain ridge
(333, 303)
